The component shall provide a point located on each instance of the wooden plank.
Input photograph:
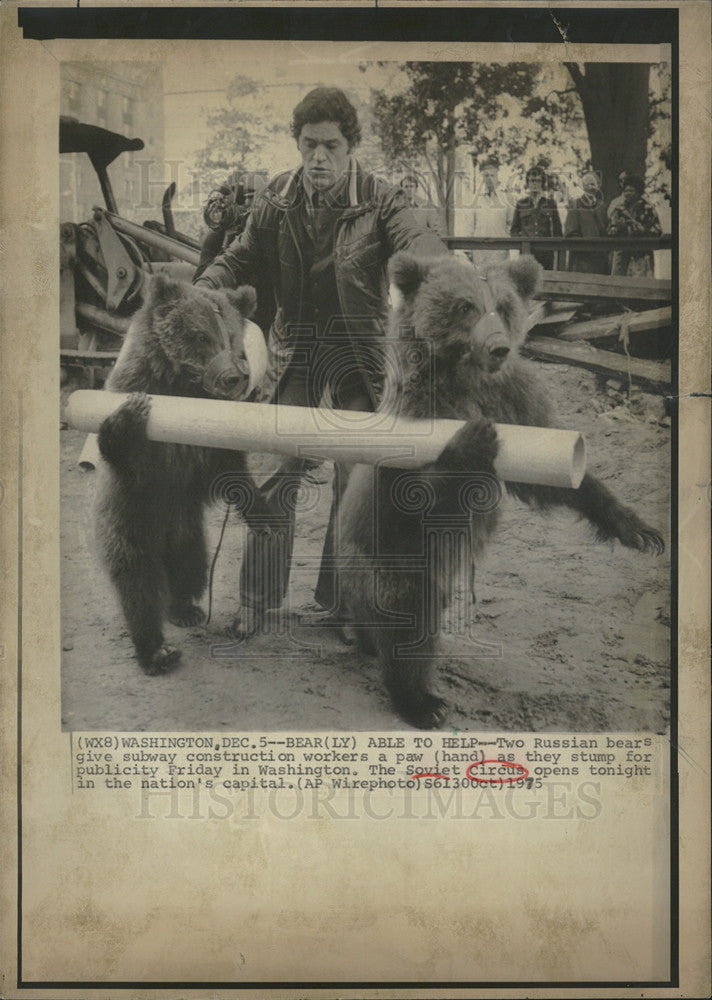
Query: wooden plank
(599, 244)
(69, 354)
(563, 306)
(536, 316)
(609, 326)
(654, 372)
(545, 313)
(557, 317)
(567, 285)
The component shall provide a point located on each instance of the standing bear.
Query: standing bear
(408, 538)
(151, 495)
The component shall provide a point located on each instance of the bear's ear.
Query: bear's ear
(526, 273)
(406, 272)
(244, 299)
(163, 291)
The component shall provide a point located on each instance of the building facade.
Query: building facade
(126, 98)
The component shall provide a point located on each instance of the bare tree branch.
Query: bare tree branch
(561, 93)
(434, 173)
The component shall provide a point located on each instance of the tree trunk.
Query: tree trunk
(450, 187)
(615, 105)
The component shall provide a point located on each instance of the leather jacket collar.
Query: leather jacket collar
(287, 191)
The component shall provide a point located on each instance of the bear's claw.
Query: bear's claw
(474, 448)
(162, 661)
(429, 712)
(123, 433)
(636, 534)
(644, 540)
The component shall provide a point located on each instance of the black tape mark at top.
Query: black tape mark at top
(437, 24)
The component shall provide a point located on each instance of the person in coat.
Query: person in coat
(537, 215)
(319, 238)
(425, 213)
(493, 214)
(634, 216)
(586, 217)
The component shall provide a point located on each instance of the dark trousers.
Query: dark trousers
(268, 554)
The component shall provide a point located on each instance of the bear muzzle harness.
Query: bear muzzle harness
(234, 378)
(490, 332)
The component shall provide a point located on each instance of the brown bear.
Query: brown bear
(407, 538)
(151, 496)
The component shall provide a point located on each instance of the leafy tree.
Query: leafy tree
(571, 117)
(614, 116)
(552, 118)
(239, 130)
(443, 106)
(659, 163)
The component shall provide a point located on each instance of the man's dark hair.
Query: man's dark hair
(327, 104)
(636, 182)
(622, 178)
(489, 161)
(410, 179)
(537, 172)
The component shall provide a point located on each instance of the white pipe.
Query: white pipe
(541, 455)
(90, 454)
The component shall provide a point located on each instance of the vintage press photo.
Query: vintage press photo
(433, 665)
(553, 613)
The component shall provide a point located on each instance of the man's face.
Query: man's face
(410, 188)
(534, 183)
(325, 153)
(590, 185)
(489, 176)
(630, 195)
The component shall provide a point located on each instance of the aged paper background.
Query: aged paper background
(110, 898)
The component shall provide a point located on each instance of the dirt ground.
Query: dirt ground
(567, 634)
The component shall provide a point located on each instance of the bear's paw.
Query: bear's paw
(162, 660)
(186, 615)
(427, 712)
(124, 431)
(474, 447)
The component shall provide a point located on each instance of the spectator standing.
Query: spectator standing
(633, 215)
(320, 237)
(617, 202)
(587, 217)
(426, 215)
(537, 215)
(493, 214)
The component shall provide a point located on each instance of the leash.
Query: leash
(212, 565)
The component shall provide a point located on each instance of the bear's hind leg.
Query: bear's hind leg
(142, 592)
(406, 650)
(407, 673)
(186, 567)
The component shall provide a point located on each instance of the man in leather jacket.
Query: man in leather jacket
(319, 239)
